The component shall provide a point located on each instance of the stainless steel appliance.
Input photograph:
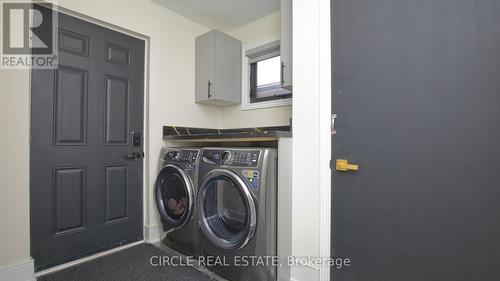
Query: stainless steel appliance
(175, 193)
(237, 211)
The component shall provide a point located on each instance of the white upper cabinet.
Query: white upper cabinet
(218, 69)
(286, 44)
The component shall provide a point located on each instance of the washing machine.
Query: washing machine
(237, 212)
(175, 195)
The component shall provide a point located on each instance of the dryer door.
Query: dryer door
(174, 196)
(226, 209)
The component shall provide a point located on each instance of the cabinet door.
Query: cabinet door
(204, 73)
(227, 86)
(286, 44)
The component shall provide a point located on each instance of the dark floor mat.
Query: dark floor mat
(132, 264)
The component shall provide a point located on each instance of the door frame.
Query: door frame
(311, 127)
(145, 181)
(325, 155)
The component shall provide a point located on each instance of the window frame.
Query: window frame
(254, 53)
(253, 84)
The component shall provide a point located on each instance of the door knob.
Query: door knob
(344, 166)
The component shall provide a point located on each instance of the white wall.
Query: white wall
(262, 30)
(171, 97)
(14, 167)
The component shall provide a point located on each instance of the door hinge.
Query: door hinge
(282, 75)
(333, 128)
(210, 94)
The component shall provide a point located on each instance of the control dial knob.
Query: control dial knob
(173, 155)
(225, 157)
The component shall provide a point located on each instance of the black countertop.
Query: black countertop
(187, 133)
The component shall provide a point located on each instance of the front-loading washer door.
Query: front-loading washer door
(174, 196)
(226, 210)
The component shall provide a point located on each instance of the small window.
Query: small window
(266, 74)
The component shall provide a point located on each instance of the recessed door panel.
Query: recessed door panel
(73, 43)
(117, 54)
(116, 193)
(70, 104)
(117, 110)
(70, 207)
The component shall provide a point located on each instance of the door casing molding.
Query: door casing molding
(325, 137)
(312, 139)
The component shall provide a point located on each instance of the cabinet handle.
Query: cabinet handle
(281, 73)
(209, 91)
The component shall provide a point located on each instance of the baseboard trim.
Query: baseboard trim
(153, 233)
(303, 273)
(85, 259)
(23, 271)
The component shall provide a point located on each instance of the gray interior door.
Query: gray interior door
(416, 87)
(86, 183)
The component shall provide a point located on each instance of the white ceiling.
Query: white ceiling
(225, 15)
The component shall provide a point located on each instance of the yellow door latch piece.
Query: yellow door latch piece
(344, 166)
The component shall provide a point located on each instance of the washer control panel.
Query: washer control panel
(232, 158)
(183, 156)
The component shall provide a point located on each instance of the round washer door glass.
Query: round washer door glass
(226, 210)
(174, 196)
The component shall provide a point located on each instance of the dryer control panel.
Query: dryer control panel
(183, 156)
(232, 158)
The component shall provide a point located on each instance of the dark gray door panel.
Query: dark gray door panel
(85, 196)
(417, 93)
